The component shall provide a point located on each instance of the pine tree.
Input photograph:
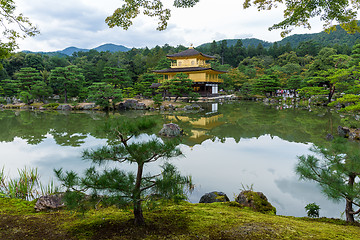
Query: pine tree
(118, 186)
(337, 171)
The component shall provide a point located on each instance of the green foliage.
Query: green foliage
(26, 187)
(295, 13)
(27, 77)
(116, 186)
(51, 105)
(298, 13)
(347, 98)
(352, 108)
(194, 97)
(266, 85)
(129, 92)
(10, 87)
(260, 204)
(67, 80)
(312, 210)
(143, 85)
(105, 95)
(307, 92)
(40, 90)
(294, 82)
(157, 100)
(337, 172)
(117, 77)
(14, 26)
(123, 16)
(180, 85)
(25, 97)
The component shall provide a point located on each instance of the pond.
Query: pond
(227, 147)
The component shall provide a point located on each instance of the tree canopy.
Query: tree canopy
(297, 13)
(13, 26)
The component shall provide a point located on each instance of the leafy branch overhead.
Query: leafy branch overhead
(14, 26)
(122, 17)
(297, 13)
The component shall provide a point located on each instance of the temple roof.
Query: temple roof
(187, 69)
(191, 52)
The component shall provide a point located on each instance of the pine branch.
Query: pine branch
(148, 187)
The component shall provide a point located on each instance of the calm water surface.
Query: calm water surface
(227, 147)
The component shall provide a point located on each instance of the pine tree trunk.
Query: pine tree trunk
(138, 215)
(348, 212)
(349, 209)
(66, 98)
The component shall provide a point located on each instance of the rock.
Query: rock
(214, 197)
(130, 104)
(86, 106)
(121, 106)
(140, 106)
(64, 107)
(354, 134)
(255, 200)
(171, 130)
(49, 202)
(193, 107)
(171, 107)
(1, 105)
(329, 137)
(343, 131)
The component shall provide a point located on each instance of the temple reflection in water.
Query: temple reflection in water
(198, 126)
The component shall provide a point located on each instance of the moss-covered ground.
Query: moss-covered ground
(18, 220)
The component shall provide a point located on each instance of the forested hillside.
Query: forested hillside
(326, 69)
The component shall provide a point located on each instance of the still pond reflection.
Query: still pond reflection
(226, 147)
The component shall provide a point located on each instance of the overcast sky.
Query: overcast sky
(81, 23)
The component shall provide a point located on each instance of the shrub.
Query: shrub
(312, 210)
(51, 105)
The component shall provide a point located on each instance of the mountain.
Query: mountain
(111, 48)
(103, 48)
(340, 37)
(70, 50)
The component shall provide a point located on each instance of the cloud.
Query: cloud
(82, 24)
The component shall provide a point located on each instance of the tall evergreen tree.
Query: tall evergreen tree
(67, 80)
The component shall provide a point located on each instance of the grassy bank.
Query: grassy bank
(18, 220)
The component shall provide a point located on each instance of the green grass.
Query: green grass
(18, 220)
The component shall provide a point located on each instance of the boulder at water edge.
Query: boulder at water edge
(214, 197)
(130, 104)
(170, 130)
(64, 107)
(255, 200)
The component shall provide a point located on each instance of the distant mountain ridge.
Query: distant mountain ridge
(70, 50)
(340, 36)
